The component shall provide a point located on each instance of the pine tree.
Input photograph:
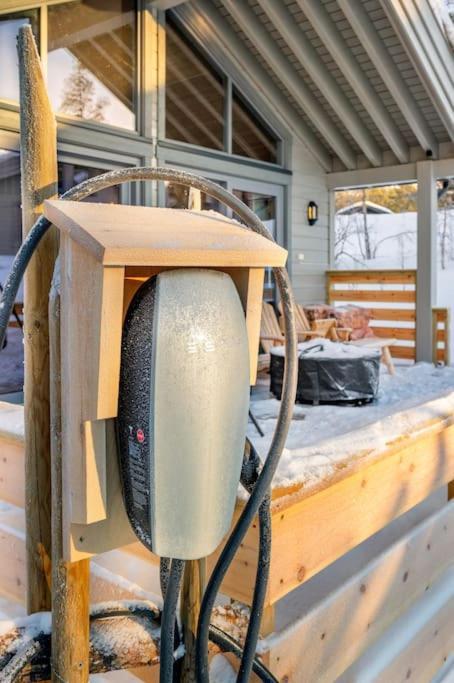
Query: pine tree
(79, 96)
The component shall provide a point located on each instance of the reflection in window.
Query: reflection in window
(9, 27)
(264, 206)
(194, 94)
(251, 138)
(12, 356)
(10, 206)
(72, 174)
(177, 197)
(91, 60)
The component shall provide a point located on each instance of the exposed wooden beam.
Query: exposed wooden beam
(164, 4)
(383, 62)
(283, 69)
(210, 27)
(426, 284)
(386, 175)
(433, 65)
(311, 62)
(342, 55)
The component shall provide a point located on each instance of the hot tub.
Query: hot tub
(330, 372)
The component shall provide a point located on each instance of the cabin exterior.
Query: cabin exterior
(283, 102)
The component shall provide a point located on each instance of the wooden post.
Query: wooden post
(426, 285)
(70, 580)
(39, 182)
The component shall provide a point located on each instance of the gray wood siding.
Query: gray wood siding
(308, 183)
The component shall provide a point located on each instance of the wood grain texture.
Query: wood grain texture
(92, 304)
(325, 641)
(39, 182)
(136, 235)
(70, 581)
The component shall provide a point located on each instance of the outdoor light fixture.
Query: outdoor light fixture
(312, 213)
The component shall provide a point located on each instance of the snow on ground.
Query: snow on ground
(322, 437)
(221, 671)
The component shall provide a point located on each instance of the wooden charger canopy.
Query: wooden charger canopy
(107, 252)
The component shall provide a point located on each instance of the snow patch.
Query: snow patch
(329, 435)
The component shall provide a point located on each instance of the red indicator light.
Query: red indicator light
(140, 436)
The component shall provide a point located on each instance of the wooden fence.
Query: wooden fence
(390, 297)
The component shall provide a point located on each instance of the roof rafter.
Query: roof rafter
(433, 65)
(311, 62)
(278, 62)
(211, 28)
(340, 52)
(383, 62)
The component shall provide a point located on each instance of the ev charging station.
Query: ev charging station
(159, 333)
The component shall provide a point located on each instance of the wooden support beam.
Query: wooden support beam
(211, 28)
(39, 182)
(428, 50)
(426, 289)
(312, 63)
(360, 21)
(342, 55)
(296, 86)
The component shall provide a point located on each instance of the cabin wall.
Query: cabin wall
(309, 245)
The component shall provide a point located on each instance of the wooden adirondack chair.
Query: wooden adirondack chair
(328, 328)
(271, 333)
(325, 328)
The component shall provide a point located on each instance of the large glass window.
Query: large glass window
(194, 94)
(12, 356)
(250, 137)
(178, 197)
(9, 26)
(199, 109)
(73, 174)
(92, 60)
(10, 208)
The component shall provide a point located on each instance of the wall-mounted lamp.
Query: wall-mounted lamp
(312, 213)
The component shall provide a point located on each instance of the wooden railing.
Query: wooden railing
(440, 335)
(390, 297)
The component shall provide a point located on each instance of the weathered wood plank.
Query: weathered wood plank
(392, 314)
(383, 295)
(70, 581)
(407, 276)
(416, 645)
(364, 502)
(405, 333)
(339, 629)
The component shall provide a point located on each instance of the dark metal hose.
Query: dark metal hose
(166, 658)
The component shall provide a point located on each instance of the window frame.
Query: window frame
(41, 6)
(229, 85)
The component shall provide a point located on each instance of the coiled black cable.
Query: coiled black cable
(263, 482)
(166, 656)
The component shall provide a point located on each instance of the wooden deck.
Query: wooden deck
(314, 529)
